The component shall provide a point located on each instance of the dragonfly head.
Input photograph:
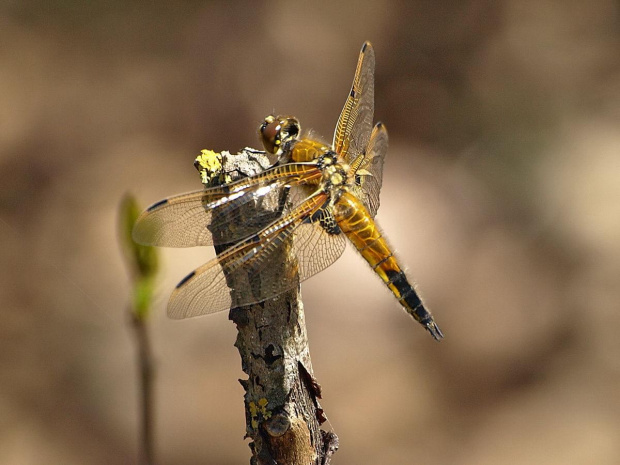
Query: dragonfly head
(276, 131)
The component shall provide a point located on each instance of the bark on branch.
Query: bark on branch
(283, 415)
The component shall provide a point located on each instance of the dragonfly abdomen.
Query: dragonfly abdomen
(356, 223)
(408, 297)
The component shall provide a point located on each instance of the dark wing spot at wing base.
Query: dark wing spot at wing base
(157, 205)
(352, 93)
(187, 278)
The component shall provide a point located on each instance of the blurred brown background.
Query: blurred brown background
(501, 193)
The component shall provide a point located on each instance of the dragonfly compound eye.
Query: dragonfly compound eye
(269, 133)
(275, 132)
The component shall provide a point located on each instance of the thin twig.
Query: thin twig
(143, 263)
(145, 364)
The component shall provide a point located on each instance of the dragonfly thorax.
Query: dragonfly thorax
(335, 174)
(328, 159)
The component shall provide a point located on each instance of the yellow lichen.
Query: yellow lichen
(209, 165)
(259, 412)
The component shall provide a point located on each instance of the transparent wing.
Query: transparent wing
(253, 270)
(369, 169)
(217, 215)
(355, 121)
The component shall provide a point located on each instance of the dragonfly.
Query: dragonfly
(331, 197)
